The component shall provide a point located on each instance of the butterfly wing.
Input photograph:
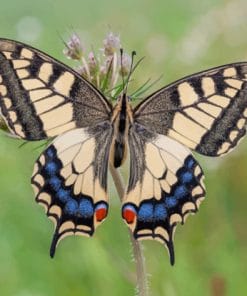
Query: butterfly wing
(70, 181)
(206, 111)
(165, 185)
(41, 97)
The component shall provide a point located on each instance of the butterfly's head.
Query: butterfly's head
(123, 97)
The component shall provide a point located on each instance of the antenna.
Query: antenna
(125, 83)
(121, 61)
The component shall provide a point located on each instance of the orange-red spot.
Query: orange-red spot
(129, 215)
(101, 214)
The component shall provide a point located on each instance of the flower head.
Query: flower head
(104, 68)
(92, 62)
(111, 44)
(125, 65)
(81, 70)
(74, 49)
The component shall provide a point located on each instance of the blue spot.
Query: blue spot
(190, 163)
(55, 183)
(160, 212)
(180, 191)
(71, 207)
(63, 195)
(85, 208)
(51, 168)
(186, 177)
(146, 212)
(50, 152)
(170, 202)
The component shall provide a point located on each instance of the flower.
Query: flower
(125, 64)
(74, 49)
(92, 63)
(81, 70)
(111, 44)
(106, 67)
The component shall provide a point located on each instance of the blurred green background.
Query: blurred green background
(177, 38)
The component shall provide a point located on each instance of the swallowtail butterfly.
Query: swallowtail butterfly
(41, 98)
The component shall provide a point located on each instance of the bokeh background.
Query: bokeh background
(177, 38)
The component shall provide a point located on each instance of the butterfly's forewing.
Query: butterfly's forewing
(206, 111)
(165, 185)
(70, 181)
(41, 97)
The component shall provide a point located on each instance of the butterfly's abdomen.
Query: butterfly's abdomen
(119, 152)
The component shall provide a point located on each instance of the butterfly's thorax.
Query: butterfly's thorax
(122, 118)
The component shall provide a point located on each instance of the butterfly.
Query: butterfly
(41, 98)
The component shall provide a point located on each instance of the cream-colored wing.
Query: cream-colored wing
(70, 181)
(41, 97)
(206, 111)
(165, 185)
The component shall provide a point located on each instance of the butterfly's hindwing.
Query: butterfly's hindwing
(41, 97)
(165, 185)
(206, 111)
(70, 181)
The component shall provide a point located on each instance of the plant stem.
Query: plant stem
(142, 285)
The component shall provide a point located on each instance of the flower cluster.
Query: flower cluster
(103, 69)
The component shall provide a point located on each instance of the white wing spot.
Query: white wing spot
(18, 64)
(26, 53)
(22, 73)
(29, 84)
(219, 100)
(45, 72)
(231, 92)
(64, 83)
(39, 94)
(188, 128)
(200, 117)
(234, 83)
(208, 86)
(187, 94)
(3, 90)
(230, 72)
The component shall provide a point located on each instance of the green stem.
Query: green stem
(142, 284)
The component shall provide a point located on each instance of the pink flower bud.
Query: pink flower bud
(74, 49)
(126, 64)
(92, 62)
(82, 71)
(111, 44)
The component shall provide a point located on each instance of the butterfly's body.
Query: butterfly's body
(122, 119)
(42, 98)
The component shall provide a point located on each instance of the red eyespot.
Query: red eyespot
(101, 212)
(129, 214)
